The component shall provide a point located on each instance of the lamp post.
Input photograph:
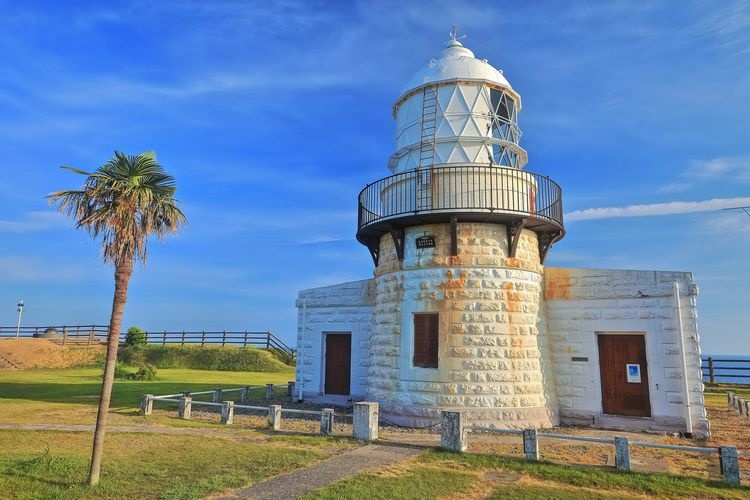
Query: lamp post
(20, 312)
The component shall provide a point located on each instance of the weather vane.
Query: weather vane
(454, 33)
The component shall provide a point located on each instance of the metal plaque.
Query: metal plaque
(426, 241)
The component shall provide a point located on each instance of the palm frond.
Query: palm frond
(124, 201)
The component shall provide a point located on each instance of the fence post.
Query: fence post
(91, 337)
(203, 337)
(730, 394)
(147, 404)
(186, 394)
(326, 421)
(274, 417)
(290, 388)
(244, 394)
(216, 396)
(530, 444)
(269, 391)
(730, 466)
(183, 411)
(65, 335)
(452, 431)
(365, 421)
(741, 406)
(268, 340)
(224, 339)
(244, 342)
(711, 370)
(78, 331)
(182, 340)
(622, 453)
(145, 339)
(164, 338)
(227, 412)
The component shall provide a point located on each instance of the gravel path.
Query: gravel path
(351, 463)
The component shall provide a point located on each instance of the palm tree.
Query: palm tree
(124, 202)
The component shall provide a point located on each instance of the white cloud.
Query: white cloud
(34, 221)
(656, 209)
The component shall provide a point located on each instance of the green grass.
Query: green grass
(228, 358)
(443, 474)
(71, 395)
(423, 483)
(41, 464)
(661, 485)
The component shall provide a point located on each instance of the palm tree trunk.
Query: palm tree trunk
(123, 271)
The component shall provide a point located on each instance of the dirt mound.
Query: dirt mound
(18, 354)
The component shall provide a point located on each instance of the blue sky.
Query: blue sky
(273, 115)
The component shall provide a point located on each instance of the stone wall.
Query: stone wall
(343, 308)
(490, 346)
(580, 303)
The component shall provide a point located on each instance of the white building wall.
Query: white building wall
(342, 308)
(580, 303)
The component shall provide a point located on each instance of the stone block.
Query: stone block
(452, 431)
(622, 453)
(365, 421)
(326, 421)
(227, 412)
(147, 404)
(184, 408)
(274, 417)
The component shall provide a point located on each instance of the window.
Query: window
(426, 340)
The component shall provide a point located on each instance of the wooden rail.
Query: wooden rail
(93, 334)
(712, 368)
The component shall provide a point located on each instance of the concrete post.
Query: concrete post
(217, 396)
(365, 421)
(290, 388)
(741, 406)
(244, 394)
(622, 453)
(274, 417)
(747, 408)
(452, 432)
(183, 411)
(227, 412)
(186, 394)
(269, 391)
(326, 421)
(730, 466)
(530, 444)
(147, 404)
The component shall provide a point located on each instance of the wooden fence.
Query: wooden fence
(726, 368)
(92, 334)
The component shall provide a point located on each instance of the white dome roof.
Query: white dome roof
(455, 63)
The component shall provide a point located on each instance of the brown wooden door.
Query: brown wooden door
(338, 363)
(623, 394)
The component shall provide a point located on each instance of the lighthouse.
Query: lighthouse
(462, 315)
(458, 234)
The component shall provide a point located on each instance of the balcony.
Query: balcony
(468, 193)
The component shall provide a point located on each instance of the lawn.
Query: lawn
(51, 464)
(70, 395)
(449, 475)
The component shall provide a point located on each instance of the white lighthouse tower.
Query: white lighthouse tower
(458, 235)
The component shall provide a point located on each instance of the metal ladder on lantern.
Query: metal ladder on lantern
(427, 148)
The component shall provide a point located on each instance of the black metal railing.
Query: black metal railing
(92, 334)
(462, 189)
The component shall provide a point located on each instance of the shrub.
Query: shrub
(135, 336)
(228, 358)
(145, 372)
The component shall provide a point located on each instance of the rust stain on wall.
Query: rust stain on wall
(556, 283)
(452, 283)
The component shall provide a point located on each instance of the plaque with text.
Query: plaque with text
(427, 241)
